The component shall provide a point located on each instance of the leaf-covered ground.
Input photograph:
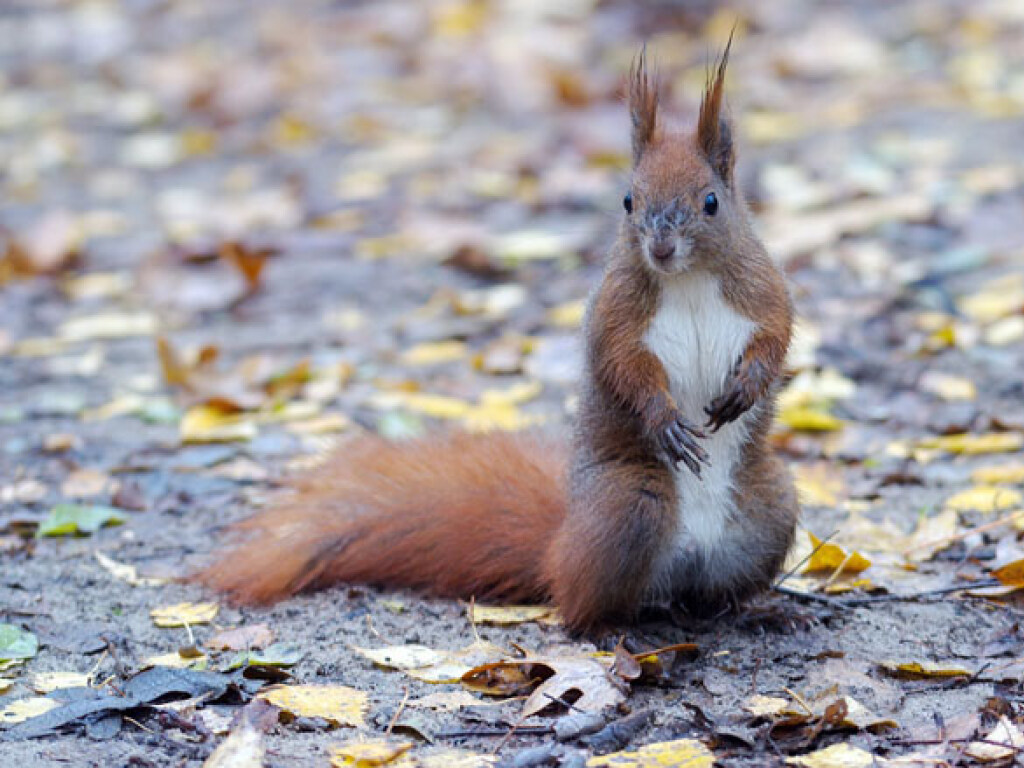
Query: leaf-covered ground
(235, 234)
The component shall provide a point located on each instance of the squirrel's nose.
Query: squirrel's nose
(662, 250)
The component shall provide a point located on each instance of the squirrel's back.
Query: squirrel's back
(454, 515)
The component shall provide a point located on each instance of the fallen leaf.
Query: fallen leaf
(832, 558)
(210, 424)
(916, 670)
(1011, 574)
(87, 484)
(985, 499)
(276, 655)
(17, 644)
(836, 756)
(46, 682)
(1010, 474)
(765, 706)
(568, 315)
(992, 442)
(506, 615)
(446, 701)
(1002, 743)
(808, 419)
(127, 573)
(110, 325)
(818, 484)
(184, 614)
(241, 638)
(446, 758)
(338, 704)
(948, 387)
(431, 666)
(68, 519)
(22, 709)
(368, 754)
(175, 660)
(682, 753)
(243, 748)
(433, 353)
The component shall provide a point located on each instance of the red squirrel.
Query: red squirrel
(668, 490)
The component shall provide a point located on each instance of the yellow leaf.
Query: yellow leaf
(517, 394)
(337, 704)
(1011, 474)
(210, 424)
(831, 557)
(568, 315)
(5, 685)
(435, 406)
(488, 416)
(985, 498)
(184, 613)
(991, 442)
(504, 615)
(809, 419)
(434, 353)
(931, 535)
(836, 756)
(368, 754)
(45, 682)
(446, 758)
(1011, 574)
(22, 709)
(818, 484)
(175, 661)
(682, 753)
(923, 669)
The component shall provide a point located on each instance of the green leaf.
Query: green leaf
(67, 519)
(276, 655)
(16, 643)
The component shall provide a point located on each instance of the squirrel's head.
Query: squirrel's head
(681, 202)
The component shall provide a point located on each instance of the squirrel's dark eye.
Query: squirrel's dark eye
(627, 203)
(711, 204)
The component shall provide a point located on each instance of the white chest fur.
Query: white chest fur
(698, 338)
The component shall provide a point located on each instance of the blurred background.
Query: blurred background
(269, 222)
(235, 232)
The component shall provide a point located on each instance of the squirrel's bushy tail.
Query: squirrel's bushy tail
(454, 515)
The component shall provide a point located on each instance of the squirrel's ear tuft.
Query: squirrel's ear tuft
(643, 104)
(714, 131)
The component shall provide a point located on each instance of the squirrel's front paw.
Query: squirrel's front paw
(740, 394)
(678, 440)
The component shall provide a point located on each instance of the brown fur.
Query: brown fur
(502, 516)
(454, 515)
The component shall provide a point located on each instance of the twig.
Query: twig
(511, 731)
(871, 600)
(563, 702)
(792, 571)
(940, 543)
(398, 712)
(532, 730)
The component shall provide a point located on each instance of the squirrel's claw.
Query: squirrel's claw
(729, 406)
(679, 441)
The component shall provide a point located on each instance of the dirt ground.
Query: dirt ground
(353, 204)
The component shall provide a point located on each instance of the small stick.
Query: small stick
(937, 543)
(398, 712)
(532, 730)
(871, 600)
(805, 559)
